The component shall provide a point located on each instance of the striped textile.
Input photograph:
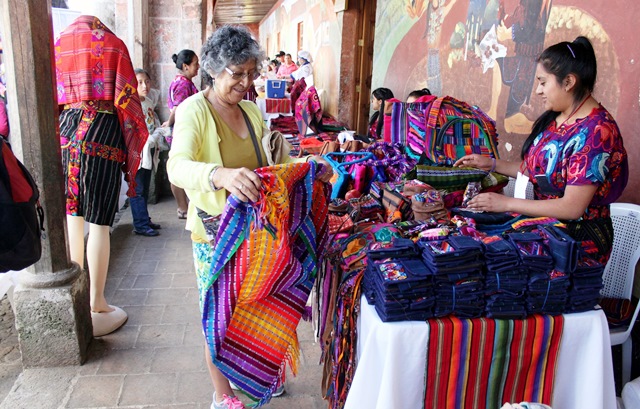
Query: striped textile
(263, 267)
(482, 363)
(278, 105)
(408, 125)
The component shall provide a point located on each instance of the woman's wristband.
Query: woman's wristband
(211, 184)
(493, 165)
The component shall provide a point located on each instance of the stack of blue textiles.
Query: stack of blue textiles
(547, 287)
(398, 283)
(586, 283)
(505, 280)
(456, 264)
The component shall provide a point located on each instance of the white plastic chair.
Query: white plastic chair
(620, 271)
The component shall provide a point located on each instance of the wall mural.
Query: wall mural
(483, 52)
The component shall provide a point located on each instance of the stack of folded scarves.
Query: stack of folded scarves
(505, 281)
(547, 286)
(397, 282)
(456, 265)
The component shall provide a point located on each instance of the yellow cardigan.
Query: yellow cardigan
(195, 152)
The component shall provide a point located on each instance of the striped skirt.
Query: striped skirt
(93, 152)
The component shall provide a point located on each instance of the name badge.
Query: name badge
(520, 190)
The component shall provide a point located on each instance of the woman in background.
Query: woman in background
(181, 88)
(378, 96)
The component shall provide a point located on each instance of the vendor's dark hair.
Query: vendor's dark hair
(560, 60)
(230, 45)
(183, 57)
(419, 93)
(382, 94)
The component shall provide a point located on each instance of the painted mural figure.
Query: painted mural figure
(526, 27)
(436, 13)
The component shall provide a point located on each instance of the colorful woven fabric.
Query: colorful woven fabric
(482, 363)
(308, 112)
(92, 63)
(278, 105)
(263, 267)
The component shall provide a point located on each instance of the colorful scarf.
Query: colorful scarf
(263, 267)
(92, 64)
(482, 363)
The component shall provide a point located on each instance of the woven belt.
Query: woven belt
(93, 105)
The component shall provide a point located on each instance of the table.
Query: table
(392, 358)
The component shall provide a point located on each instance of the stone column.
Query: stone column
(52, 300)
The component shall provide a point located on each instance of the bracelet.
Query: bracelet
(213, 186)
(493, 165)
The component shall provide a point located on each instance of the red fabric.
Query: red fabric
(296, 90)
(278, 105)
(21, 190)
(92, 63)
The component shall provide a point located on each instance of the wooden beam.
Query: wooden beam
(33, 116)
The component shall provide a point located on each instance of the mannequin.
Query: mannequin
(102, 134)
(105, 318)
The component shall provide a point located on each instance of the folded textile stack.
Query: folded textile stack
(586, 283)
(547, 287)
(397, 282)
(456, 265)
(505, 281)
(585, 274)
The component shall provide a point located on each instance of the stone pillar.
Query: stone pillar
(139, 20)
(52, 300)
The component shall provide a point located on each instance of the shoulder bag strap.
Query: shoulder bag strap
(256, 144)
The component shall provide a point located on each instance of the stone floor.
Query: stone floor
(156, 360)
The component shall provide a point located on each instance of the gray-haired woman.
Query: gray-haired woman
(214, 155)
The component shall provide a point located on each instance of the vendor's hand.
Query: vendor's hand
(489, 202)
(165, 124)
(475, 161)
(326, 172)
(242, 182)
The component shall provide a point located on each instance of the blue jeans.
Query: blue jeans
(138, 203)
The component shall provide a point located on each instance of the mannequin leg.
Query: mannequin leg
(75, 233)
(105, 318)
(98, 251)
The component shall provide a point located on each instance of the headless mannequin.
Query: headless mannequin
(105, 318)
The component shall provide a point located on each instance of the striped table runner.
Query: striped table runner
(482, 363)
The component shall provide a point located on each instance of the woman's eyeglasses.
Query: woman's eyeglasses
(238, 76)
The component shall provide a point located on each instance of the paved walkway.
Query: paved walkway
(156, 360)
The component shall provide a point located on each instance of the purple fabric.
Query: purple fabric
(180, 89)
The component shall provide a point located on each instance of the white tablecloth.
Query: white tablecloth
(262, 104)
(392, 359)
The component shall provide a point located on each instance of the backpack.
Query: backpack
(439, 131)
(21, 216)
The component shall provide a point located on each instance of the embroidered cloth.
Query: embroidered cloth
(92, 63)
(264, 264)
(481, 362)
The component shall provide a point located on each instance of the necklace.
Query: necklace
(574, 111)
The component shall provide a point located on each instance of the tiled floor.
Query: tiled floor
(156, 360)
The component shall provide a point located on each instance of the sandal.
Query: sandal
(181, 214)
